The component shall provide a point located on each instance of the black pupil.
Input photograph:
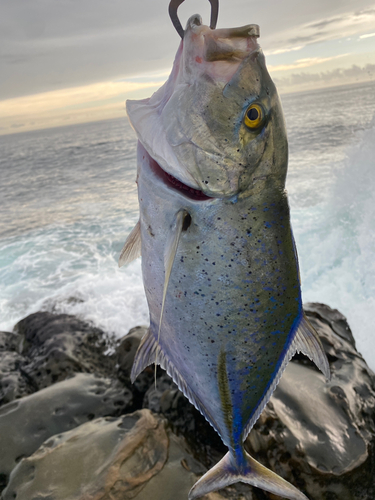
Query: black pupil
(253, 114)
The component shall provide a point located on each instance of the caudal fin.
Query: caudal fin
(225, 473)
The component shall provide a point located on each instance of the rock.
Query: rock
(124, 355)
(13, 383)
(133, 457)
(185, 419)
(331, 317)
(56, 346)
(27, 422)
(10, 341)
(127, 348)
(321, 435)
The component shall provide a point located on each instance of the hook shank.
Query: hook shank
(174, 5)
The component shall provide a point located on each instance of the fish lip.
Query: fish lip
(175, 184)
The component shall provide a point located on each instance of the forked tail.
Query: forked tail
(226, 472)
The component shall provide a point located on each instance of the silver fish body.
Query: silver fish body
(219, 263)
(233, 296)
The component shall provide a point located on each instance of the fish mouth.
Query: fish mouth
(175, 184)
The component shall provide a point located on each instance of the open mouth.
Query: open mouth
(173, 183)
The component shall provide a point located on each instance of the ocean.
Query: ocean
(68, 201)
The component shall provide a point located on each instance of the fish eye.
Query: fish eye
(254, 116)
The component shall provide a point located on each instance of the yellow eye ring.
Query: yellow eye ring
(254, 116)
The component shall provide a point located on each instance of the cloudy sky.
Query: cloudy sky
(67, 61)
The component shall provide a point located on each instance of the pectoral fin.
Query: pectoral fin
(132, 247)
(169, 255)
(308, 342)
(226, 472)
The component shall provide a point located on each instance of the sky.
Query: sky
(74, 61)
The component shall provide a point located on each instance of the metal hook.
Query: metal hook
(174, 5)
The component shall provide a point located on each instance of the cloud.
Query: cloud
(67, 98)
(76, 104)
(340, 76)
(324, 23)
(332, 28)
(282, 50)
(47, 45)
(51, 45)
(367, 35)
(303, 63)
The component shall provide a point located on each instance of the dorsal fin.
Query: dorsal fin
(132, 247)
(305, 340)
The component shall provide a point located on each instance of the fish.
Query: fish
(219, 260)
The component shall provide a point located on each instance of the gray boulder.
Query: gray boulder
(56, 346)
(132, 457)
(26, 423)
(13, 382)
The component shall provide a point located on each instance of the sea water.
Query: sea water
(68, 201)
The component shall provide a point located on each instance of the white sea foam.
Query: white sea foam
(336, 242)
(80, 276)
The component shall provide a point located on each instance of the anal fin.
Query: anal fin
(149, 351)
(226, 473)
(307, 341)
(132, 247)
(145, 355)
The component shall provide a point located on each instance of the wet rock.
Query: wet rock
(135, 456)
(13, 382)
(185, 419)
(10, 341)
(331, 317)
(56, 346)
(124, 355)
(27, 422)
(127, 348)
(319, 435)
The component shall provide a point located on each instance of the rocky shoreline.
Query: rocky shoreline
(73, 427)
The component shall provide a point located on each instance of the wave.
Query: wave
(336, 242)
(73, 270)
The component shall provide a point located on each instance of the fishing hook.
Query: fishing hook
(174, 5)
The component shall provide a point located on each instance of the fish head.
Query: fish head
(217, 124)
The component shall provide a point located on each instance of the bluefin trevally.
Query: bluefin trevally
(219, 262)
